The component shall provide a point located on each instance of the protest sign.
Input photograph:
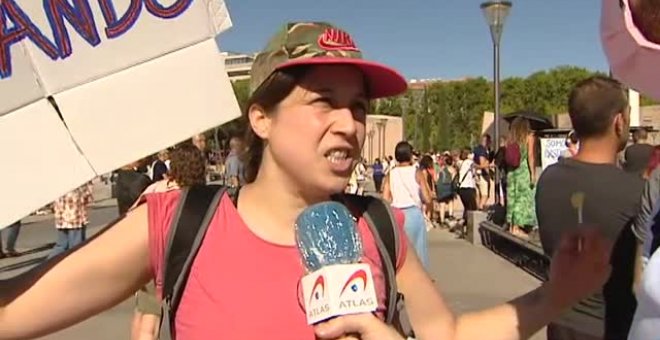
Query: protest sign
(551, 150)
(129, 77)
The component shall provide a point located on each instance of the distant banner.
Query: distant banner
(87, 86)
(551, 150)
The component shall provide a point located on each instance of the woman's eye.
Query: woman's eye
(323, 101)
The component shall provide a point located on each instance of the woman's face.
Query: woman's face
(317, 132)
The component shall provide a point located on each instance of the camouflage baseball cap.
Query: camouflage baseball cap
(320, 43)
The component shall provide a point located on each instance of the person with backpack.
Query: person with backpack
(445, 189)
(521, 177)
(228, 268)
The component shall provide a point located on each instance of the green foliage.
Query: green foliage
(448, 115)
(242, 92)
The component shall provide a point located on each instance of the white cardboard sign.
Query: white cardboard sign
(551, 150)
(130, 77)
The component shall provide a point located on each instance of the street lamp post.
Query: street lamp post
(371, 134)
(404, 116)
(495, 13)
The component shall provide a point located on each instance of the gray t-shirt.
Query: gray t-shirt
(611, 203)
(234, 168)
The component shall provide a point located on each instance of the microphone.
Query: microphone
(331, 248)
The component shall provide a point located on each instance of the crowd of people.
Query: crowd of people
(306, 126)
(599, 181)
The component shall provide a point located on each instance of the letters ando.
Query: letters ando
(16, 25)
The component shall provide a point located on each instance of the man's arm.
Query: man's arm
(649, 197)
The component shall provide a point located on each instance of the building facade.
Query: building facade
(383, 133)
(238, 65)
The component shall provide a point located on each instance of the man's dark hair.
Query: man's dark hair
(593, 104)
(403, 152)
(487, 136)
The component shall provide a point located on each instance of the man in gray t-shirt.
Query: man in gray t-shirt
(590, 188)
(234, 168)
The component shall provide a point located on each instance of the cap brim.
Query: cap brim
(383, 81)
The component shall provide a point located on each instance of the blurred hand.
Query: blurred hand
(580, 266)
(359, 326)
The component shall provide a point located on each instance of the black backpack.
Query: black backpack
(193, 215)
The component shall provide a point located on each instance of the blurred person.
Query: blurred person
(378, 174)
(187, 168)
(426, 166)
(645, 221)
(160, 166)
(361, 175)
(129, 185)
(467, 190)
(445, 190)
(522, 179)
(199, 140)
(482, 154)
(234, 166)
(500, 162)
(571, 143)
(638, 155)
(71, 218)
(406, 188)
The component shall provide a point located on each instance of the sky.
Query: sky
(446, 39)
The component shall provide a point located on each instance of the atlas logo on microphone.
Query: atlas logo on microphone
(353, 293)
(338, 289)
(317, 304)
(359, 275)
(318, 290)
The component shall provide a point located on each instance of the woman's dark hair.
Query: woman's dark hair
(449, 160)
(187, 166)
(403, 152)
(426, 162)
(464, 154)
(269, 95)
(377, 161)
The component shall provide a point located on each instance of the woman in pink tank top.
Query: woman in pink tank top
(310, 95)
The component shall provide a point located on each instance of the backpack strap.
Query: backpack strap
(381, 222)
(194, 212)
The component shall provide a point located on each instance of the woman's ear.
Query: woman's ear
(260, 121)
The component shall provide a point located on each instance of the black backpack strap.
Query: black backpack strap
(194, 212)
(381, 222)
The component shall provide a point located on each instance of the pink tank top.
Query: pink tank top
(241, 286)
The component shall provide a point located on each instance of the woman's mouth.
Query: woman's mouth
(340, 160)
